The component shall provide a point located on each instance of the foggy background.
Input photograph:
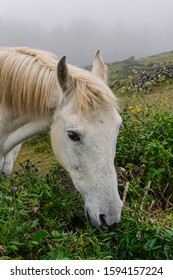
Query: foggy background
(77, 28)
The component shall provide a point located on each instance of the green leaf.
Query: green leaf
(12, 248)
(39, 235)
(35, 223)
(16, 243)
(150, 244)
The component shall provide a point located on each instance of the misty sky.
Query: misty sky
(76, 28)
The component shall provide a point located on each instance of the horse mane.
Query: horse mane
(28, 81)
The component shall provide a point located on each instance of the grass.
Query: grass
(42, 219)
(161, 97)
(163, 57)
(42, 215)
(39, 149)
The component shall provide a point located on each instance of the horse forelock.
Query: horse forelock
(28, 81)
(91, 93)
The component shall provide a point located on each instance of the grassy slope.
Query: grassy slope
(161, 94)
(163, 57)
(39, 151)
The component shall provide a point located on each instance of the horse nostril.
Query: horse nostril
(88, 216)
(103, 221)
(104, 224)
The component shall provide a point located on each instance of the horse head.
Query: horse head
(84, 134)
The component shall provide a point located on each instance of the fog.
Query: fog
(77, 28)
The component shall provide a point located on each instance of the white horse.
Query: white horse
(37, 94)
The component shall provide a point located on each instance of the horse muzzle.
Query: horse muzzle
(104, 221)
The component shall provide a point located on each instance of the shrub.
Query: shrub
(145, 149)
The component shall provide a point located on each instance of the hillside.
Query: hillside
(156, 68)
(144, 83)
(163, 57)
(120, 68)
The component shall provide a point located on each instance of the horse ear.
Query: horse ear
(63, 74)
(99, 67)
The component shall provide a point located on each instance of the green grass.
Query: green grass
(163, 57)
(41, 219)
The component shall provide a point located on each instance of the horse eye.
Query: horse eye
(74, 136)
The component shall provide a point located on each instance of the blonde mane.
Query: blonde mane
(28, 81)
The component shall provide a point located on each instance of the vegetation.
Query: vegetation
(42, 219)
(42, 215)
